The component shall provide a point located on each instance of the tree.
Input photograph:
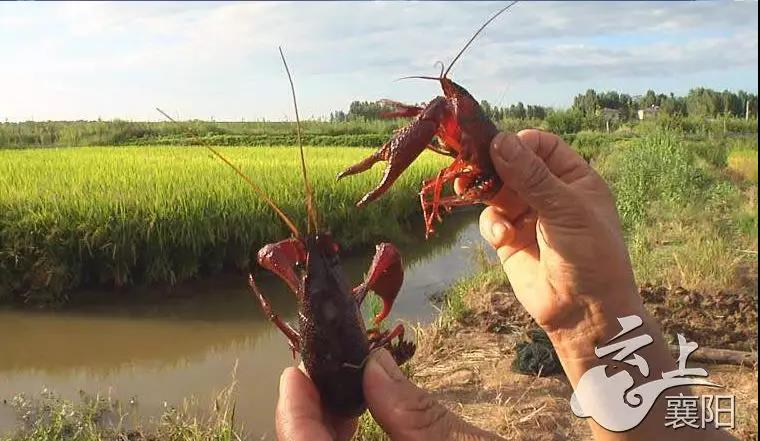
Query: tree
(699, 102)
(520, 110)
(703, 102)
(672, 105)
(487, 109)
(627, 107)
(587, 103)
(610, 100)
(565, 121)
(731, 104)
(648, 100)
(538, 112)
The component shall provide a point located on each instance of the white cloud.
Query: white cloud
(567, 62)
(206, 56)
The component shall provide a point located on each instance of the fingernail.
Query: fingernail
(383, 363)
(507, 146)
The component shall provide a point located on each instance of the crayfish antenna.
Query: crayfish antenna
(443, 66)
(419, 77)
(446, 72)
(311, 210)
(493, 17)
(258, 190)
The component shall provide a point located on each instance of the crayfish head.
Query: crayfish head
(326, 244)
(454, 90)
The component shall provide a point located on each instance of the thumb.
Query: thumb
(521, 169)
(406, 412)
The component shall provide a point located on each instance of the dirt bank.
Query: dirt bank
(467, 365)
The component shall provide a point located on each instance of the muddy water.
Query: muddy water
(158, 350)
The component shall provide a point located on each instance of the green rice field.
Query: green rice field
(116, 216)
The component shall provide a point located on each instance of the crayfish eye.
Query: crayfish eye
(299, 266)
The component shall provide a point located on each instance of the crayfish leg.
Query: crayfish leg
(401, 110)
(442, 149)
(402, 351)
(294, 338)
(431, 208)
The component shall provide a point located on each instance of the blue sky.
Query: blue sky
(219, 60)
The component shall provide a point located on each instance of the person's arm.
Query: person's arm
(556, 231)
(558, 236)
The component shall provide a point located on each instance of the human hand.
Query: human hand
(300, 416)
(556, 231)
(404, 411)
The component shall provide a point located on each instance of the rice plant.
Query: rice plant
(77, 217)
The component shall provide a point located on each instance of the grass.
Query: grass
(355, 132)
(120, 132)
(655, 168)
(369, 430)
(744, 163)
(455, 307)
(79, 217)
(687, 221)
(100, 418)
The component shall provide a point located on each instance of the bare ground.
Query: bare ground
(467, 367)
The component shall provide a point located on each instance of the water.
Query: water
(158, 350)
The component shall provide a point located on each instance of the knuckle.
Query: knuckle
(536, 175)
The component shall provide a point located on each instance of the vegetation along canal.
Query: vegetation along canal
(161, 350)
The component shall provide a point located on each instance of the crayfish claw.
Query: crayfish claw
(365, 164)
(389, 177)
(408, 143)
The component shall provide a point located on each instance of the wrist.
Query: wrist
(593, 324)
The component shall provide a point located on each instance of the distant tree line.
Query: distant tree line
(699, 102)
(362, 110)
(367, 110)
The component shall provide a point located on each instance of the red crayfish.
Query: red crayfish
(453, 125)
(331, 337)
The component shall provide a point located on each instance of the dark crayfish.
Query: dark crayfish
(331, 337)
(453, 125)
